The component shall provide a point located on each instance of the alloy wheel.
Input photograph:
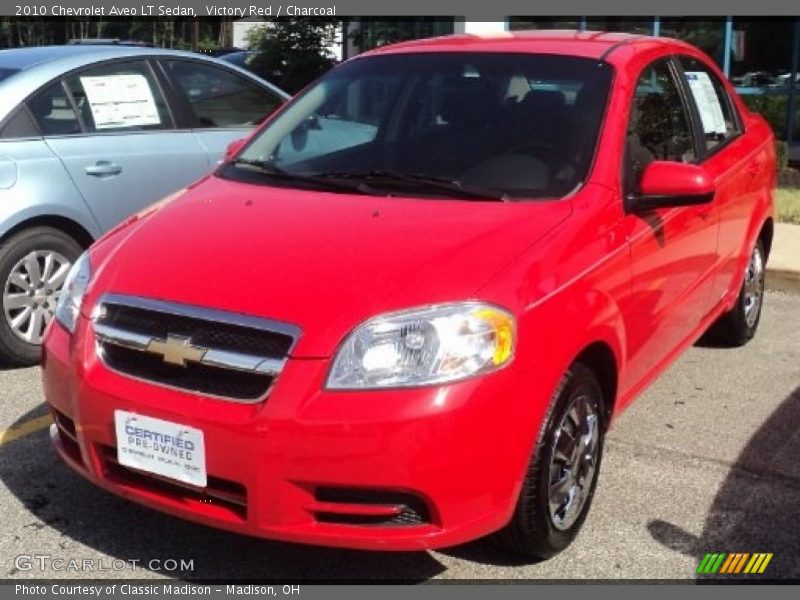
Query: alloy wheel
(753, 287)
(573, 462)
(31, 292)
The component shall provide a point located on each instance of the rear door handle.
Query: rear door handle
(753, 168)
(103, 168)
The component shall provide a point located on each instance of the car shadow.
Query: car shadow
(83, 515)
(756, 507)
(4, 366)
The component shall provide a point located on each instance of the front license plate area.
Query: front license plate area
(161, 447)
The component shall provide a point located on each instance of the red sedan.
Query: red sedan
(404, 313)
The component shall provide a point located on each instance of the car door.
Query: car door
(223, 105)
(735, 162)
(114, 132)
(33, 181)
(673, 250)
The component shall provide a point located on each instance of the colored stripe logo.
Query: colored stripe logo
(734, 563)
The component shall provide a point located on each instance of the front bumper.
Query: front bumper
(458, 452)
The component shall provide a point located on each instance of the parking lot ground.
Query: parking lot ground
(704, 461)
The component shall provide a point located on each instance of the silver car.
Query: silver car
(90, 135)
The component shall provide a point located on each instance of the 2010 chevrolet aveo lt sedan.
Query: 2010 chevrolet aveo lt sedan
(403, 313)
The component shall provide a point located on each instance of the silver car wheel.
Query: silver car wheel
(753, 287)
(573, 462)
(31, 292)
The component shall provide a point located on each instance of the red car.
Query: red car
(403, 314)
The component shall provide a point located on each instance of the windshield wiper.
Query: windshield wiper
(441, 184)
(269, 169)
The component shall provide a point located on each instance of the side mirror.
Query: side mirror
(233, 148)
(666, 184)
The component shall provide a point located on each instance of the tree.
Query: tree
(167, 33)
(294, 52)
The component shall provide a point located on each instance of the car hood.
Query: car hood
(322, 261)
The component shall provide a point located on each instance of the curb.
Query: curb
(785, 280)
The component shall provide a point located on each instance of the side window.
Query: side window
(659, 126)
(119, 97)
(220, 98)
(19, 126)
(712, 101)
(53, 111)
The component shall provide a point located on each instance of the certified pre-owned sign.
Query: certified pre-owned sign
(161, 447)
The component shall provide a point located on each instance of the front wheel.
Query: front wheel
(33, 266)
(562, 475)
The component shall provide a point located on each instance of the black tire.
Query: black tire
(532, 530)
(733, 329)
(14, 350)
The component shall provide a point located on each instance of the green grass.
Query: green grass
(787, 205)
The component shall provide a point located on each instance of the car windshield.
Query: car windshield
(477, 125)
(5, 73)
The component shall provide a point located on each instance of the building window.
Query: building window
(521, 23)
(761, 52)
(639, 25)
(708, 34)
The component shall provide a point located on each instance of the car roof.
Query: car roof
(588, 44)
(41, 56)
(39, 65)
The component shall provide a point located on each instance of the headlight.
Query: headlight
(71, 295)
(424, 346)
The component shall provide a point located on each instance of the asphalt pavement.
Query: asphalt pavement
(705, 461)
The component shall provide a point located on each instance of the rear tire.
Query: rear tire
(738, 326)
(33, 265)
(561, 478)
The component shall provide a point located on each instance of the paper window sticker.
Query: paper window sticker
(118, 101)
(707, 100)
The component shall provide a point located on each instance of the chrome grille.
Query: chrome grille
(210, 352)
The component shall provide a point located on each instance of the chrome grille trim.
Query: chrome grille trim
(107, 335)
(121, 337)
(222, 359)
(201, 313)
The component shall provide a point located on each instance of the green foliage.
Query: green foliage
(772, 108)
(292, 53)
(787, 205)
(372, 33)
(163, 32)
(782, 155)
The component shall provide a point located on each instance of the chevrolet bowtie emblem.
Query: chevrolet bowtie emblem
(177, 350)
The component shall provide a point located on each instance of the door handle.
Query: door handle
(753, 168)
(103, 168)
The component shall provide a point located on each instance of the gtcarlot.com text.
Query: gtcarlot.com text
(46, 562)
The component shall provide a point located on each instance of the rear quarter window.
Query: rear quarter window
(19, 125)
